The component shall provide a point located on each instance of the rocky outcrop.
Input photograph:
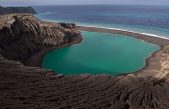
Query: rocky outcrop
(23, 35)
(36, 88)
(65, 25)
(10, 10)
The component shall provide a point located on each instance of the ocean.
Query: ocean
(104, 53)
(145, 19)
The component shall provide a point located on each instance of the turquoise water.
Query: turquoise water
(100, 53)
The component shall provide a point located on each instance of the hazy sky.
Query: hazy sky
(67, 2)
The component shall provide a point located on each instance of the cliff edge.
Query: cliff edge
(33, 87)
(23, 35)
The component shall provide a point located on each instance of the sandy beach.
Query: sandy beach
(154, 39)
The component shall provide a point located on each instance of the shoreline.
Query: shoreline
(36, 60)
(124, 30)
(147, 61)
(154, 39)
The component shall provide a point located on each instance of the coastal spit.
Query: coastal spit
(22, 85)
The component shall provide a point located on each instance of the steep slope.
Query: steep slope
(23, 35)
(36, 88)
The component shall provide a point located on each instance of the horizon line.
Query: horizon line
(86, 5)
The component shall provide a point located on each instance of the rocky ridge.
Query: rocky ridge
(23, 35)
(36, 88)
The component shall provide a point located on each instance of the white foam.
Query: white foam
(147, 34)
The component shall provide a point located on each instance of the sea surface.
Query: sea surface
(100, 53)
(106, 53)
(145, 19)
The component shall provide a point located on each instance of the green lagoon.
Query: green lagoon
(100, 53)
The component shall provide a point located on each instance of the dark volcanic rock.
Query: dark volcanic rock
(10, 10)
(23, 35)
(35, 88)
(68, 25)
